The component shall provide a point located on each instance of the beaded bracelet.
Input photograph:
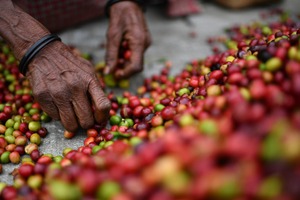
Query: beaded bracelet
(34, 49)
(109, 3)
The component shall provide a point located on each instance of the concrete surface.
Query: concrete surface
(171, 41)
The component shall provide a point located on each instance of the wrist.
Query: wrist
(22, 47)
(34, 50)
(109, 3)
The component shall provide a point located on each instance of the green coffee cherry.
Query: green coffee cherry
(107, 190)
(34, 126)
(61, 190)
(115, 120)
(5, 157)
(273, 64)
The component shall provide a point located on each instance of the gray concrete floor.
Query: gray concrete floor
(171, 40)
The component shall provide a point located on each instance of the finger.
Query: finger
(41, 95)
(47, 104)
(114, 37)
(67, 117)
(61, 99)
(83, 110)
(81, 104)
(100, 102)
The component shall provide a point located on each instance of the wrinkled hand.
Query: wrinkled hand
(67, 88)
(127, 23)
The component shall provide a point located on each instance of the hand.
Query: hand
(66, 87)
(126, 23)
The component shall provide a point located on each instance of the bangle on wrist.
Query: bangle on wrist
(109, 3)
(34, 49)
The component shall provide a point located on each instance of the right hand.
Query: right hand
(127, 23)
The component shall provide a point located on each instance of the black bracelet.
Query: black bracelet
(34, 49)
(109, 3)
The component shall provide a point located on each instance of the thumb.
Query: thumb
(112, 52)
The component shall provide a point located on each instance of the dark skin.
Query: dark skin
(132, 28)
(64, 84)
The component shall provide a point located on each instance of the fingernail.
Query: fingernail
(119, 74)
(106, 71)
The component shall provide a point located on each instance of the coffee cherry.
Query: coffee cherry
(273, 64)
(35, 139)
(9, 192)
(68, 134)
(115, 120)
(26, 170)
(35, 181)
(181, 136)
(57, 190)
(168, 113)
(14, 157)
(35, 155)
(34, 126)
(108, 190)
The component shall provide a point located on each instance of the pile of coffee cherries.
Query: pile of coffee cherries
(226, 127)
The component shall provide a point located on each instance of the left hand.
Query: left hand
(67, 88)
(127, 23)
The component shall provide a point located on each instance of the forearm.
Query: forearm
(19, 29)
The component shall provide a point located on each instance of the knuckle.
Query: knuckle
(74, 86)
(39, 94)
(59, 93)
